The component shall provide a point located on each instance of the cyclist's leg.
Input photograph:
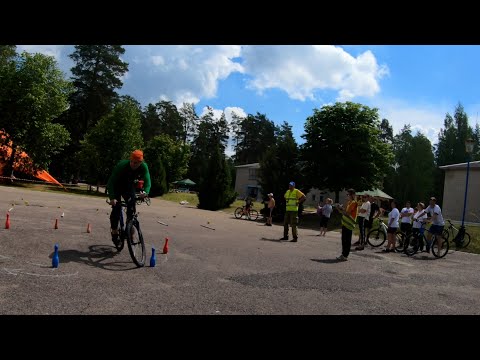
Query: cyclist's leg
(115, 215)
(131, 203)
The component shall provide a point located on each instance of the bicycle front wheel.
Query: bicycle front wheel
(376, 238)
(439, 253)
(466, 240)
(446, 234)
(412, 245)
(136, 246)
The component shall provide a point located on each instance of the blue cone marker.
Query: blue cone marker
(55, 257)
(153, 259)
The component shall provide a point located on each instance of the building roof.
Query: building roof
(375, 193)
(473, 164)
(253, 166)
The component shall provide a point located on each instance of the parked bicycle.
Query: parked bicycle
(132, 234)
(416, 241)
(377, 237)
(251, 214)
(145, 199)
(452, 232)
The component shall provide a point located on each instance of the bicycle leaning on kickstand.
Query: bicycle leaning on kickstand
(132, 234)
(459, 236)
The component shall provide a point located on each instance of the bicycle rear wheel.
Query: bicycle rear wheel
(136, 246)
(439, 253)
(238, 213)
(376, 238)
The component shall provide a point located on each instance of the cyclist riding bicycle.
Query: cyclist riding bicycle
(122, 184)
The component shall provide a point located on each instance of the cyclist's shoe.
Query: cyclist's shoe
(356, 243)
(359, 247)
(284, 238)
(294, 240)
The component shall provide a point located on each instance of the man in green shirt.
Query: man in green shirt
(122, 184)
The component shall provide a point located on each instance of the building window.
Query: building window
(321, 198)
(252, 174)
(313, 197)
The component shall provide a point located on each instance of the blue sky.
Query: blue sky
(415, 84)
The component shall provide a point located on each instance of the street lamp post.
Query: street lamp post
(469, 144)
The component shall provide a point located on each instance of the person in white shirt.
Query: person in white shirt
(362, 217)
(393, 217)
(418, 219)
(406, 216)
(435, 217)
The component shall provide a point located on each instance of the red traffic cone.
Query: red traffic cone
(89, 228)
(165, 247)
(7, 222)
(56, 224)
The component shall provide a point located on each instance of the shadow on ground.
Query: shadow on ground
(100, 256)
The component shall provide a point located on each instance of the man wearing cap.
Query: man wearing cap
(293, 197)
(271, 205)
(122, 184)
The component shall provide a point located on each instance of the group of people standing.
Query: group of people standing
(409, 220)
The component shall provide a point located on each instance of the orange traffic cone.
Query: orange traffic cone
(7, 222)
(56, 224)
(89, 228)
(165, 247)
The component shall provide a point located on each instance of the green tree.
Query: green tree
(280, 165)
(33, 93)
(114, 137)
(253, 135)
(451, 146)
(411, 177)
(173, 154)
(476, 149)
(150, 123)
(343, 148)
(189, 119)
(215, 188)
(386, 134)
(211, 133)
(158, 177)
(97, 74)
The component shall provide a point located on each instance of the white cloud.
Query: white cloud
(50, 50)
(301, 70)
(182, 73)
(427, 119)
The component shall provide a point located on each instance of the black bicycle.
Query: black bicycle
(459, 238)
(416, 241)
(132, 233)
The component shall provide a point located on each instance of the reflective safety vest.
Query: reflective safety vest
(291, 198)
(347, 220)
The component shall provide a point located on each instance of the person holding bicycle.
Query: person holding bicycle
(122, 184)
(418, 219)
(435, 216)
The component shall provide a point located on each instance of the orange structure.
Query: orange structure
(22, 162)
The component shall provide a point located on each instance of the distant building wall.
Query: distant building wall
(454, 193)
